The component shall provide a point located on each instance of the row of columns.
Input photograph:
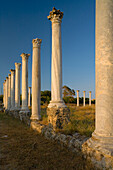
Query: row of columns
(11, 87)
(84, 97)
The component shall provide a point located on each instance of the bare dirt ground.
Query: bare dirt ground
(23, 149)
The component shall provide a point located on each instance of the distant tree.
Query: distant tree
(67, 92)
(45, 96)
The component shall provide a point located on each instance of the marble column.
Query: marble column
(9, 91)
(89, 98)
(6, 93)
(25, 82)
(56, 70)
(29, 97)
(102, 138)
(12, 89)
(77, 97)
(17, 86)
(84, 98)
(57, 111)
(36, 79)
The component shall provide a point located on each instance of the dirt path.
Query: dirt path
(24, 149)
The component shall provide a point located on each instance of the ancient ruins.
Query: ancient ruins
(99, 148)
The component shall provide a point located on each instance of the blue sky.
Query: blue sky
(21, 21)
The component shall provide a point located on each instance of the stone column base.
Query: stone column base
(58, 117)
(25, 116)
(100, 151)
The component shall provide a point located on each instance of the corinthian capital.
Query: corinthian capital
(55, 15)
(25, 56)
(17, 65)
(36, 42)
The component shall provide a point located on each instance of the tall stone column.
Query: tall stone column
(12, 89)
(9, 91)
(36, 79)
(17, 86)
(25, 82)
(6, 93)
(84, 97)
(102, 138)
(29, 97)
(56, 70)
(77, 97)
(58, 114)
(89, 98)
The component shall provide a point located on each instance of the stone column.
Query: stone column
(77, 97)
(89, 98)
(36, 79)
(29, 97)
(84, 93)
(56, 70)
(12, 89)
(58, 113)
(25, 82)
(102, 138)
(9, 91)
(17, 86)
(6, 93)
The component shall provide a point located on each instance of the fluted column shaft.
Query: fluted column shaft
(77, 97)
(12, 89)
(29, 97)
(9, 91)
(25, 81)
(84, 96)
(17, 85)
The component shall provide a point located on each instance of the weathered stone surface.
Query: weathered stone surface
(25, 117)
(58, 117)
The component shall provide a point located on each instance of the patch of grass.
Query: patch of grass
(82, 120)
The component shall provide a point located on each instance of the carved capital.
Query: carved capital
(6, 78)
(89, 91)
(9, 75)
(55, 16)
(25, 56)
(17, 65)
(12, 71)
(36, 42)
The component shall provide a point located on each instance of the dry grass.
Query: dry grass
(24, 149)
(82, 119)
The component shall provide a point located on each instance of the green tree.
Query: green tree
(67, 92)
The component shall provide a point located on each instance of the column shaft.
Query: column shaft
(17, 86)
(77, 97)
(12, 89)
(84, 103)
(90, 98)
(25, 81)
(6, 93)
(29, 97)
(9, 91)
(36, 79)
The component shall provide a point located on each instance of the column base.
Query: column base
(25, 116)
(58, 104)
(35, 118)
(99, 149)
(58, 117)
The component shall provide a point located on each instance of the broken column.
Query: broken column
(58, 113)
(89, 98)
(84, 93)
(101, 141)
(77, 97)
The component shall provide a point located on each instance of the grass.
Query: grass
(82, 119)
(22, 148)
